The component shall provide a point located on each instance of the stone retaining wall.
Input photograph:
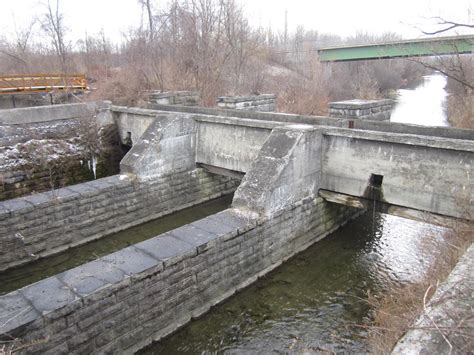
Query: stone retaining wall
(123, 301)
(54, 146)
(42, 224)
(265, 102)
(379, 110)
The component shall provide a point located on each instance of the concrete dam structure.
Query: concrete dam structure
(286, 170)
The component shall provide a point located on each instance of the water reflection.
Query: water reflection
(425, 105)
(313, 301)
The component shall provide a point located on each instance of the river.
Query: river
(425, 105)
(317, 301)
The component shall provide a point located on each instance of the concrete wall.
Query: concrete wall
(429, 174)
(425, 173)
(264, 102)
(56, 113)
(121, 302)
(46, 223)
(367, 125)
(231, 144)
(132, 122)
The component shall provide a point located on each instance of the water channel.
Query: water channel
(43, 268)
(425, 105)
(314, 302)
(317, 301)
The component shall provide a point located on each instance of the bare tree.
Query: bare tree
(148, 7)
(447, 25)
(53, 25)
(23, 35)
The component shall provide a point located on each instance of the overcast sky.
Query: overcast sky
(340, 17)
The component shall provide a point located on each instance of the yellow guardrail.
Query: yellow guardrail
(17, 84)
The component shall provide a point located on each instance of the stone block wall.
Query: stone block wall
(264, 102)
(379, 110)
(185, 98)
(45, 223)
(123, 301)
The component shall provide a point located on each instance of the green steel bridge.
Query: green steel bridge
(408, 48)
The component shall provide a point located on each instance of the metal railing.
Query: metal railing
(31, 83)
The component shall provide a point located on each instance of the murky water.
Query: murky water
(317, 300)
(43, 268)
(425, 105)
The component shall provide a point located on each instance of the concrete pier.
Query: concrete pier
(379, 110)
(263, 102)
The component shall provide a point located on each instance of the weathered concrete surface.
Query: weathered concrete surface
(123, 301)
(424, 173)
(447, 324)
(366, 125)
(287, 169)
(168, 144)
(132, 122)
(378, 110)
(57, 112)
(231, 144)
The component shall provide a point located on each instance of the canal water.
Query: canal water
(425, 105)
(43, 268)
(317, 301)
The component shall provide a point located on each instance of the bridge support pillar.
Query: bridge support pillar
(286, 170)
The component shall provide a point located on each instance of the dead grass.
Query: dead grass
(395, 311)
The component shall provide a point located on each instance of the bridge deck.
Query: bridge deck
(399, 49)
(30, 83)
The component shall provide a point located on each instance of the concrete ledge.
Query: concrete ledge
(366, 125)
(134, 110)
(51, 113)
(401, 138)
(446, 325)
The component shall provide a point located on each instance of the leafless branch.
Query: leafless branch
(447, 26)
